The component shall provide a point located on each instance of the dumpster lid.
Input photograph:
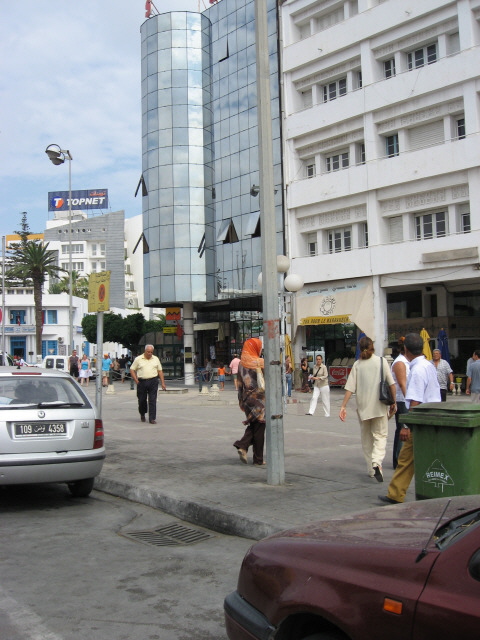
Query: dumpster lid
(443, 414)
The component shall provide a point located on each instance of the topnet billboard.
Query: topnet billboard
(83, 200)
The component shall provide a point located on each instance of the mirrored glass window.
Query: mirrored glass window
(183, 287)
(151, 63)
(182, 235)
(179, 20)
(181, 195)
(164, 80)
(166, 196)
(180, 136)
(179, 39)
(180, 175)
(179, 59)
(180, 112)
(167, 262)
(168, 288)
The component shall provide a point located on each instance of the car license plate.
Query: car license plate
(30, 429)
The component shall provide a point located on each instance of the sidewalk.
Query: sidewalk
(187, 466)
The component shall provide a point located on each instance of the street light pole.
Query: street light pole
(58, 156)
(271, 320)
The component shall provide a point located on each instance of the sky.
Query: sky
(70, 75)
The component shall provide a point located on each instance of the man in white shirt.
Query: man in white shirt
(422, 387)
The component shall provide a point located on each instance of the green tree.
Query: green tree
(34, 263)
(79, 286)
(127, 331)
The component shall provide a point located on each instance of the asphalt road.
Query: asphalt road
(71, 571)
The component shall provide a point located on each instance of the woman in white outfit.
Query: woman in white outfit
(320, 388)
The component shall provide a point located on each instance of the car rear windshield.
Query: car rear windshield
(20, 391)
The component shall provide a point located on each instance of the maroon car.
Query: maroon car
(402, 572)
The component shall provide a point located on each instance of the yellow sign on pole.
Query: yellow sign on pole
(99, 291)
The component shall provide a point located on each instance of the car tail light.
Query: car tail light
(392, 606)
(98, 440)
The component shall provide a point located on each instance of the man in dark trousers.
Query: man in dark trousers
(145, 371)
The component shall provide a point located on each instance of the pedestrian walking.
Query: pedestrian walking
(123, 364)
(251, 399)
(288, 375)
(73, 364)
(364, 381)
(305, 371)
(85, 371)
(422, 387)
(473, 377)
(145, 370)
(234, 368)
(444, 373)
(321, 388)
(106, 366)
(221, 376)
(400, 373)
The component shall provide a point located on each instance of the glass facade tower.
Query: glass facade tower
(200, 154)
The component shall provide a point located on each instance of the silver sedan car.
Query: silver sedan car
(49, 430)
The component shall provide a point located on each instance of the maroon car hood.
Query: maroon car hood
(407, 525)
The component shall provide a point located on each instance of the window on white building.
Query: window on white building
(395, 229)
(50, 316)
(335, 89)
(329, 19)
(304, 30)
(76, 266)
(431, 225)
(424, 55)
(363, 235)
(312, 244)
(18, 316)
(98, 249)
(453, 43)
(340, 240)
(426, 135)
(391, 145)
(357, 80)
(464, 223)
(459, 128)
(389, 68)
(76, 248)
(310, 170)
(360, 153)
(337, 161)
(307, 98)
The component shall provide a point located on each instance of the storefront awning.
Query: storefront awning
(347, 302)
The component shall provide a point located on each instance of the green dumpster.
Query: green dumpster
(446, 448)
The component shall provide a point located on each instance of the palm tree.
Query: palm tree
(79, 285)
(37, 262)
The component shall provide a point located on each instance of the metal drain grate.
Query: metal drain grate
(169, 536)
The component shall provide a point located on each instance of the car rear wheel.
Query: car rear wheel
(81, 488)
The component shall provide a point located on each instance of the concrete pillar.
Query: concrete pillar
(380, 316)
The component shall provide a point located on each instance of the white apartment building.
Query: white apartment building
(382, 166)
(98, 244)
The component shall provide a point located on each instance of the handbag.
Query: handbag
(385, 394)
(260, 380)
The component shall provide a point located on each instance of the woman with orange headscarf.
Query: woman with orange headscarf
(251, 400)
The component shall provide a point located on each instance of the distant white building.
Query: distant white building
(99, 243)
(381, 157)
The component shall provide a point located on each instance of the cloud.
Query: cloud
(70, 76)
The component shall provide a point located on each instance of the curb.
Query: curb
(196, 513)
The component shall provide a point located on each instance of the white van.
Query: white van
(60, 363)
(56, 362)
